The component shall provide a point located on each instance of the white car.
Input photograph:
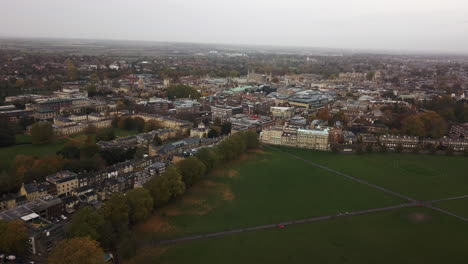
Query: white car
(63, 217)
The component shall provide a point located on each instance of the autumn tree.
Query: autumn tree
(324, 114)
(42, 133)
(412, 125)
(14, 236)
(81, 250)
(72, 71)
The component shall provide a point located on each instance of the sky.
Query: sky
(405, 25)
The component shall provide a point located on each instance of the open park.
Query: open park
(278, 205)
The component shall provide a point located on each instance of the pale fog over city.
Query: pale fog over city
(416, 25)
(248, 131)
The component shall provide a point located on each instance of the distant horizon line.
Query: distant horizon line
(374, 51)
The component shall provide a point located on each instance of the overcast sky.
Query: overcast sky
(424, 25)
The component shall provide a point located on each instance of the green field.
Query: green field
(423, 177)
(270, 186)
(266, 188)
(410, 235)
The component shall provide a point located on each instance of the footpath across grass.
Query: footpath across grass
(261, 188)
(459, 207)
(420, 176)
(408, 235)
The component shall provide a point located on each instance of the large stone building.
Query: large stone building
(392, 141)
(301, 138)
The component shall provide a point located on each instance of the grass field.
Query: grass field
(409, 235)
(265, 188)
(459, 207)
(423, 177)
(270, 187)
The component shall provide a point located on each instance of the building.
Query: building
(200, 131)
(178, 148)
(223, 113)
(392, 141)
(459, 131)
(283, 113)
(293, 137)
(167, 122)
(33, 191)
(65, 127)
(43, 233)
(63, 183)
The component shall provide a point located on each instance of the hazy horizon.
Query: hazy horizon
(425, 26)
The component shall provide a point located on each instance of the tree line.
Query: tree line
(110, 225)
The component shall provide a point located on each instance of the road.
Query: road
(410, 203)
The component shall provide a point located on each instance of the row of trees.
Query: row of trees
(110, 225)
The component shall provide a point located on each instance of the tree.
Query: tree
(86, 222)
(383, 148)
(182, 91)
(14, 236)
(72, 71)
(335, 148)
(89, 150)
(7, 137)
(359, 149)
(192, 170)
(91, 89)
(226, 128)
(42, 133)
(128, 246)
(157, 140)
(213, 133)
(151, 125)
(116, 211)
(159, 190)
(140, 203)
(449, 151)
(369, 148)
(324, 114)
(69, 152)
(9, 183)
(413, 125)
(209, 157)
(399, 148)
(139, 123)
(80, 250)
(175, 182)
(166, 186)
(105, 135)
(251, 139)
